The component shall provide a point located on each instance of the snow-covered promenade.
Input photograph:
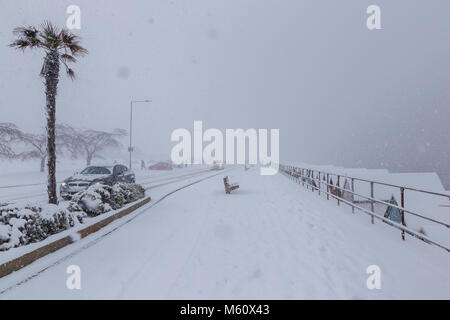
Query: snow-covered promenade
(270, 239)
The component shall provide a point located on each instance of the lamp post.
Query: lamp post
(130, 148)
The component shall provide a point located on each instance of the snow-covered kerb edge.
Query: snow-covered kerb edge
(28, 258)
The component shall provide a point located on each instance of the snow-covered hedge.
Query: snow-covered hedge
(98, 199)
(21, 224)
(24, 224)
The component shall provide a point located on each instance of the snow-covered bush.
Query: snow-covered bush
(98, 199)
(94, 201)
(24, 224)
(125, 193)
(21, 224)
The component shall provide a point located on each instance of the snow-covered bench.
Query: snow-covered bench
(229, 187)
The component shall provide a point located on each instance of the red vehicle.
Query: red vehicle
(161, 166)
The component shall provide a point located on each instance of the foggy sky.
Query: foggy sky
(339, 93)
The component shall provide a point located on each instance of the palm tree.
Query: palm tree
(60, 46)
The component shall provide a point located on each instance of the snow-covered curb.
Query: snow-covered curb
(17, 258)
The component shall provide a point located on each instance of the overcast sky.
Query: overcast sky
(338, 92)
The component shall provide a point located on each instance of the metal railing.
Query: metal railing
(316, 179)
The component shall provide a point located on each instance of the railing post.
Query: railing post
(402, 201)
(328, 186)
(339, 190)
(312, 180)
(308, 174)
(371, 202)
(319, 183)
(353, 195)
(307, 187)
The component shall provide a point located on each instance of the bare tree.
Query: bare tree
(38, 144)
(95, 142)
(60, 46)
(68, 139)
(88, 142)
(8, 134)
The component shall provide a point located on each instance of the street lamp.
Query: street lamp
(130, 148)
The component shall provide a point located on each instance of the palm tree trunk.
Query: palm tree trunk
(51, 73)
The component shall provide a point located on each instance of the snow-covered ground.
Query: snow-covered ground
(270, 239)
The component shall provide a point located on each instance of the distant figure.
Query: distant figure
(115, 162)
(142, 165)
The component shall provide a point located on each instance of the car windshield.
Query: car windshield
(96, 170)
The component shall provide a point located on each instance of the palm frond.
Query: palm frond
(48, 29)
(26, 32)
(70, 73)
(20, 44)
(50, 36)
(68, 58)
(27, 37)
(72, 42)
(67, 37)
(77, 50)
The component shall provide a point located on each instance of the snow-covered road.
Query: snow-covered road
(30, 185)
(271, 239)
